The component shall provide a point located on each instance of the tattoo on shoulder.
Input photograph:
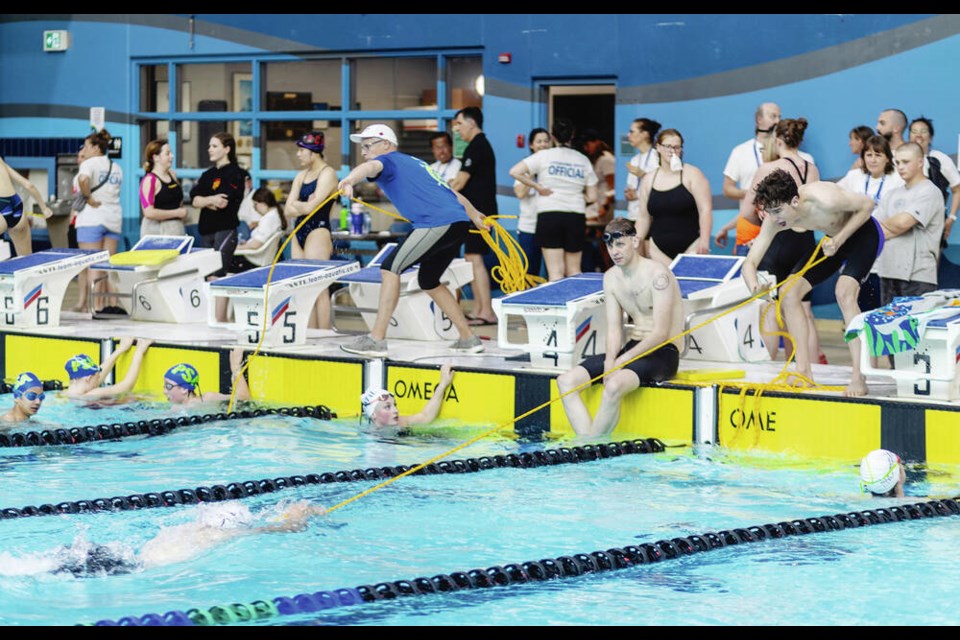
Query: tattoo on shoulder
(661, 282)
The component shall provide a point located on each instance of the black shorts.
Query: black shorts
(475, 243)
(561, 230)
(787, 254)
(855, 257)
(658, 366)
(433, 248)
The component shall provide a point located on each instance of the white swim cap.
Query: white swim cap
(370, 399)
(879, 471)
(226, 515)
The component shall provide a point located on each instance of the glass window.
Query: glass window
(394, 83)
(154, 91)
(464, 82)
(280, 151)
(307, 85)
(218, 86)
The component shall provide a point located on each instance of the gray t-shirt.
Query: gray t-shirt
(913, 255)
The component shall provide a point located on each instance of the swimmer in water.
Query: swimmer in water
(215, 523)
(181, 382)
(86, 376)
(379, 407)
(27, 397)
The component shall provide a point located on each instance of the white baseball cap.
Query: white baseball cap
(380, 131)
(879, 471)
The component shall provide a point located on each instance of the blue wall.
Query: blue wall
(702, 74)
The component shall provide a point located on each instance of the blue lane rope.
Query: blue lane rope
(568, 566)
(250, 488)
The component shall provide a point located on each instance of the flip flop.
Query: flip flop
(474, 321)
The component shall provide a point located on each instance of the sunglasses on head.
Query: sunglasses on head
(30, 396)
(610, 236)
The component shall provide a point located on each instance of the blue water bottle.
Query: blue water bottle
(356, 219)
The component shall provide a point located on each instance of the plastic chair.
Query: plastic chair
(264, 254)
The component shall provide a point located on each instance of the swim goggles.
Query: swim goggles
(33, 395)
(610, 236)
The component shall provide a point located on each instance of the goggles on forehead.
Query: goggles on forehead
(610, 236)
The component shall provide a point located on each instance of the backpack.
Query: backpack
(936, 177)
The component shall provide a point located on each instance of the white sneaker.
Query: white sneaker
(470, 345)
(367, 346)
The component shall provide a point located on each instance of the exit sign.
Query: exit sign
(58, 40)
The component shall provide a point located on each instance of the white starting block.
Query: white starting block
(293, 291)
(930, 370)
(161, 279)
(33, 286)
(710, 285)
(565, 320)
(416, 317)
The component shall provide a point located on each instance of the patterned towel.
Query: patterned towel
(898, 326)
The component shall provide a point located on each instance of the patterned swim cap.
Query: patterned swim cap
(81, 366)
(25, 380)
(185, 375)
(879, 471)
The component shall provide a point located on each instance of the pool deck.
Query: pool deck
(501, 387)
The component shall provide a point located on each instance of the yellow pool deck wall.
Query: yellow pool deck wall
(808, 424)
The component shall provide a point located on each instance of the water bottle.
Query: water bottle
(356, 219)
(367, 223)
(344, 217)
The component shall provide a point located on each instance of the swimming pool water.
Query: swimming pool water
(897, 573)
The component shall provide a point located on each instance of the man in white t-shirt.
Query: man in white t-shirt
(745, 159)
(446, 166)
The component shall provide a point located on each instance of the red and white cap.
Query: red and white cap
(381, 131)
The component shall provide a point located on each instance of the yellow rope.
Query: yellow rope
(759, 386)
(266, 296)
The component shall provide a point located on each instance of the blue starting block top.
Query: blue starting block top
(707, 267)
(183, 244)
(290, 270)
(943, 322)
(559, 292)
(20, 263)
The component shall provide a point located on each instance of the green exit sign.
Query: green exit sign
(58, 40)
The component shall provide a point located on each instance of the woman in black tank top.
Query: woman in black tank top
(676, 210)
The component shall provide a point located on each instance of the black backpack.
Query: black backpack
(936, 176)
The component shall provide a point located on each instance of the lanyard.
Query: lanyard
(876, 196)
(756, 154)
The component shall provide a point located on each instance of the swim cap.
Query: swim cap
(185, 375)
(369, 400)
(226, 515)
(25, 380)
(81, 366)
(879, 471)
(312, 141)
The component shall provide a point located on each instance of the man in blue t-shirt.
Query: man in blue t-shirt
(441, 220)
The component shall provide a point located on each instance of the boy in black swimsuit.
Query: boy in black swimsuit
(852, 245)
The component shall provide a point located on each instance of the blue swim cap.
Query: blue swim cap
(25, 380)
(81, 366)
(185, 375)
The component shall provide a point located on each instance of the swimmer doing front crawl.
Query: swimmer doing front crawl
(215, 523)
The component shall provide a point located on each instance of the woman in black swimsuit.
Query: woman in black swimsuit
(676, 210)
(787, 249)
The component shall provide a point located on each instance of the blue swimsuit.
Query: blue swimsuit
(320, 219)
(11, 208)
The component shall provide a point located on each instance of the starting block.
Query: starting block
(416, 317)
(565, 320)
(161, 279)
(293, 291)
(710, 285)
(33, 286)
(925, 344)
